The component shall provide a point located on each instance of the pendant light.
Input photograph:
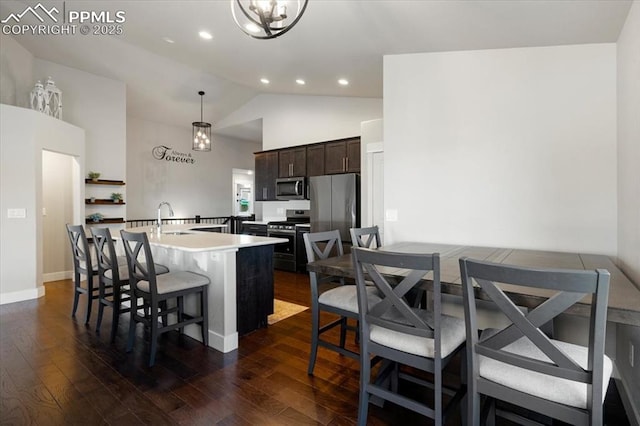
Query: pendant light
(201, 132)
(265, 19)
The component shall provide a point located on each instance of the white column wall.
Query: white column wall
(509, 147)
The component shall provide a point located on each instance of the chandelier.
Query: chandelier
(266, 19)
(201, 132)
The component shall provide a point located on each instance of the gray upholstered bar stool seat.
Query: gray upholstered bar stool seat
(341, 300)
(113, 278)
(156, 290)
(519, 363)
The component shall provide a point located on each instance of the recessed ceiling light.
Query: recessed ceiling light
(168, 40)
(264, 81)
(343, 82)
(205, 35)
(301, 82)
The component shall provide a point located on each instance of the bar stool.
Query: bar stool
(113, 278)
(156, 290)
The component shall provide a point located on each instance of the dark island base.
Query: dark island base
(254, 294)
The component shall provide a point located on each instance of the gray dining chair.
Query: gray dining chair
(402, 335)
(519, 363)
(83, 264)
(340, 300)
(156, 290)
(368, 237)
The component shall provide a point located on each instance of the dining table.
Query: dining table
(624, 295)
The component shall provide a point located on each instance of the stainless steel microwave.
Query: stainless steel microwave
(293, 188)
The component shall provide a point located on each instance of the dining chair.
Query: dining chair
(519, 363)
(113, 278)
(157, 290)
(340, 300)
(82, 265)
(368, 237)
(403, 335)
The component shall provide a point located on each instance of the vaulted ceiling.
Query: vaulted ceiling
(334, 39)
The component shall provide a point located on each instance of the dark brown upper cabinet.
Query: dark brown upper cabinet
(292, 162)
(342, 156)
(266, 174)
(315, 160)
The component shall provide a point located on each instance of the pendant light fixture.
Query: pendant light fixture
(201, 132)
(265, 19)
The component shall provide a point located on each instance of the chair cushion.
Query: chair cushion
(346, 297)
(175, 281)
(562, 391)
(123, 271)
(453, 335)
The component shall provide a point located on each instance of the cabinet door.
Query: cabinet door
(353, 156)
(315, 160)
(292, 162)
(266, 173)
(335, 154)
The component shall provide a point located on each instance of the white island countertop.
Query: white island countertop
(187, 237)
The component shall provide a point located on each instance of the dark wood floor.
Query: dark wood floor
(56, 371)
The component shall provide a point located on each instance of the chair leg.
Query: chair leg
(343, 331)
(132, 323)
(101, 304)
(76, 294)
(204, 308)
(154, 335)
(89, 297)
(315, 325)
(117, 307)
(365, 373)
(180, 312)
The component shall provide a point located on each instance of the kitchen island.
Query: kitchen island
(240, 268)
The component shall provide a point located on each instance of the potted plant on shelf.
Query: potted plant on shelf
(94, 176)
(95, 217)
(116, 197)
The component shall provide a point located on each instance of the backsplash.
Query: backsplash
(277, 210)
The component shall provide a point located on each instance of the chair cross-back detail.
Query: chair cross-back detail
(519, 363)
(422, 338)
(365, 237)
(82, 265)
(341, 300)
(157, 289)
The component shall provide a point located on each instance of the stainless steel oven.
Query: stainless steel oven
(285, 254)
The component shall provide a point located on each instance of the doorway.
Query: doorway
(58, 171)
(242, 192)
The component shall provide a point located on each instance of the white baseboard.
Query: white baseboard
(19, 296)
(57, 276)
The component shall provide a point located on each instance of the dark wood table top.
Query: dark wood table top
(624, 296)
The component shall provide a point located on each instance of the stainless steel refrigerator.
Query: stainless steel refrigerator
(335, 203)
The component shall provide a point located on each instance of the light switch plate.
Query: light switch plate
(16, 213)
(391, 215)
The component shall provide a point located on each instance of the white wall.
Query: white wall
(629, 197)
(629, 145)
(508, 148)
(290, 120)
(203, 188)
(16, 73)
(24, 134)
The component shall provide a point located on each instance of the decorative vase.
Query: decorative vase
(37, 97)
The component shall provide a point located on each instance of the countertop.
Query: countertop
(192, 240)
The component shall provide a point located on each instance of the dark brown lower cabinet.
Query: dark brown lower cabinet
(254, 287)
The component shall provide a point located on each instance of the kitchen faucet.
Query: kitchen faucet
(160, 217)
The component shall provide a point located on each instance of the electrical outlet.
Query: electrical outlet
(631, 354)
